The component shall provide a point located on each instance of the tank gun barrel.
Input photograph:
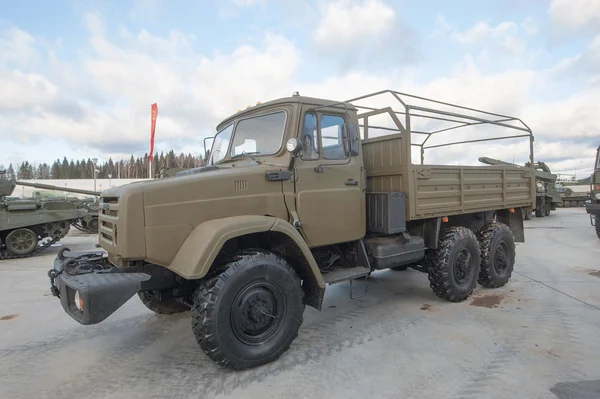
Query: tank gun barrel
(492, 161)
(57, 188)
(543, 174)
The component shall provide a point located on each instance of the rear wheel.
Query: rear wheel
(250, 314)
(597, 223)
(539, 211)
(153, 302)
(547, 209)
(21, 241)
(527, 213)
(497, 247)
(455, 264)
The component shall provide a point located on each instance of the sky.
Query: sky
(77, 78)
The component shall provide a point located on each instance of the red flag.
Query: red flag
(154, 110)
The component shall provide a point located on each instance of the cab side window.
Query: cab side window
(310, 138)
(332, 136)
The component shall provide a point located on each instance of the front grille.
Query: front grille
(115, 260)
(109, 216)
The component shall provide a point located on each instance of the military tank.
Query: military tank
(29, 226)
(87, 223)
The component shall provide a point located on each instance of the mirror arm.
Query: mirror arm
(292, 163)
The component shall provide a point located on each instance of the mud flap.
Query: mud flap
(514, 220)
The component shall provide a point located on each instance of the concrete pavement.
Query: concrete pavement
(537, 337)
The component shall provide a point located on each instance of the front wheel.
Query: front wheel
(250, 314)
(455, 264)
(497, 255)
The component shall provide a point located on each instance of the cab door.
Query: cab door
(329, 180)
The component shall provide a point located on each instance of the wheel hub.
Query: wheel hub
(256, 314)
(462, 268)
(500, 260)
(21, 241)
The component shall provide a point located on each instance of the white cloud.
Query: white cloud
(345, 22)
(17, 46)
(504, 36)
(100, 103)
(21, 91)
(248, 3)
(104, 102)
(576, 14)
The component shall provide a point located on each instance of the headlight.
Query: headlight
(597, 196)
(78, 301)
(292, 145)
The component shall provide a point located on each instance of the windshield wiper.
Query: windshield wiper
(246, 154)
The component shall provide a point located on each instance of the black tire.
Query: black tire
(547, 209)
(539, 212)
(230, 316)
(597, 223)
(455, 264)
(497, 246)
(169, 306)
(93, 224)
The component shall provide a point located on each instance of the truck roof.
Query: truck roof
(318, 102)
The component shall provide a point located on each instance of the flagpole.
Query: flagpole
(153, 115)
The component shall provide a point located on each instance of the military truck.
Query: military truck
(593, 207)
(547, 196)
(28, 226)
(88, 223)
(300, 193)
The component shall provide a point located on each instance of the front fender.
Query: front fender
(197, 254)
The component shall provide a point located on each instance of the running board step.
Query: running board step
(345, 274)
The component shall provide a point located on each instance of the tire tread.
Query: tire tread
(486, 235)
(438, 271)
(203, 317)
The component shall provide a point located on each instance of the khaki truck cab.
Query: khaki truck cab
(299, 193)
(593, 207)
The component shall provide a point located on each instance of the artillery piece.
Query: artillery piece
(88, 223)
(29, 226)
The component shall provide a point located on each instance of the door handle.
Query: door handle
(351, 182)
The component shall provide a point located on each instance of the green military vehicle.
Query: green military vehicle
(593, 207)
(295, 197)
(28, 226)
(547, 195)
(88, 223)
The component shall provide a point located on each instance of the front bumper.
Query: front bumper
(593, 209)
(102, 288)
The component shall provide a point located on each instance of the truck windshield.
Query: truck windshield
(220, 145)
(258, 135)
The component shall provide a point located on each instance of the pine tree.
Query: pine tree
(10, 172)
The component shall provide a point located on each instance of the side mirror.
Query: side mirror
(294, 146)
(346, 139)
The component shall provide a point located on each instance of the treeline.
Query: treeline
(134, 168)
